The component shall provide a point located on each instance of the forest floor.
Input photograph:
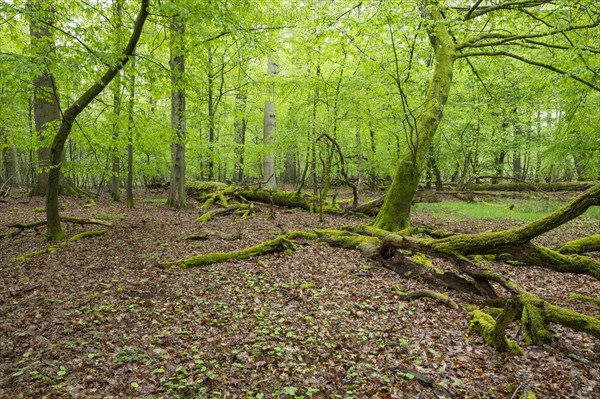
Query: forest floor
(98, 319)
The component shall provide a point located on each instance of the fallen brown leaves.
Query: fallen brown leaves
(97, 319)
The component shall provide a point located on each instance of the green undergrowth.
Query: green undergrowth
(515, 209)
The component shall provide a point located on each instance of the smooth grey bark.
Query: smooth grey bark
(115, 181)
(46, 111)
(53, 228)
(177, 194)
(239, 126)
(269, 178)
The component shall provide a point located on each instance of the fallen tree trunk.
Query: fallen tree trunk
(506, 240)
(582, 245)
(281, 243)
(524, 186)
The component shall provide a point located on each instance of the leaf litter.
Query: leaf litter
(98, 319)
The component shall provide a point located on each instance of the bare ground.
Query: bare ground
(98, 319)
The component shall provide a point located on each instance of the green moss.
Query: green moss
(395, 289)
(60, 245)
(279, 244)
(439, 234)
(346, 239)
(204, 217)
(484, 325)
(498, 277)
(533, 320)
(583, 245)
(421, 260)
(572, 319)
(90, 233)
(483, 260)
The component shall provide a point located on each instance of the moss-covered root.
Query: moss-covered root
(444, 299)
(279, 244)
(582, 245)
(485, 325)
(60, 245)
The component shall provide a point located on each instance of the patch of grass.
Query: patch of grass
(515, 209)
(161, 201)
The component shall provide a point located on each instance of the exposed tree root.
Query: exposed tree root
(246, 211)
(585, 298)
(60, 245)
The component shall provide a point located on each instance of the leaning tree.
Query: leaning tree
(540, 31)
(54, 230)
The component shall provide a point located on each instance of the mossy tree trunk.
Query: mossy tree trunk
(507, 240)
(54, 230)
(395, 212)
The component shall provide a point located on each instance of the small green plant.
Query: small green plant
(61, 373)
(129, 354)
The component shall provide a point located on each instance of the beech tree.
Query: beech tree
(177, 194)
(54, 230)
(395, 212)
(45, 93)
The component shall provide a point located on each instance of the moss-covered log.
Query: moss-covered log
(60, 245)
(582, 245)
(544, 257)
(34, 225)
(506, 240)
(279, 244)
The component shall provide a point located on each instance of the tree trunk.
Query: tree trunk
(395, 212)
(115, 181)
(130, 127)
(45, 101)
(239, 126)
(54, 230)
(507, 240)
(269, 177)
(177, 195)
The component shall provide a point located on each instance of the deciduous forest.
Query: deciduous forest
(299, 199)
